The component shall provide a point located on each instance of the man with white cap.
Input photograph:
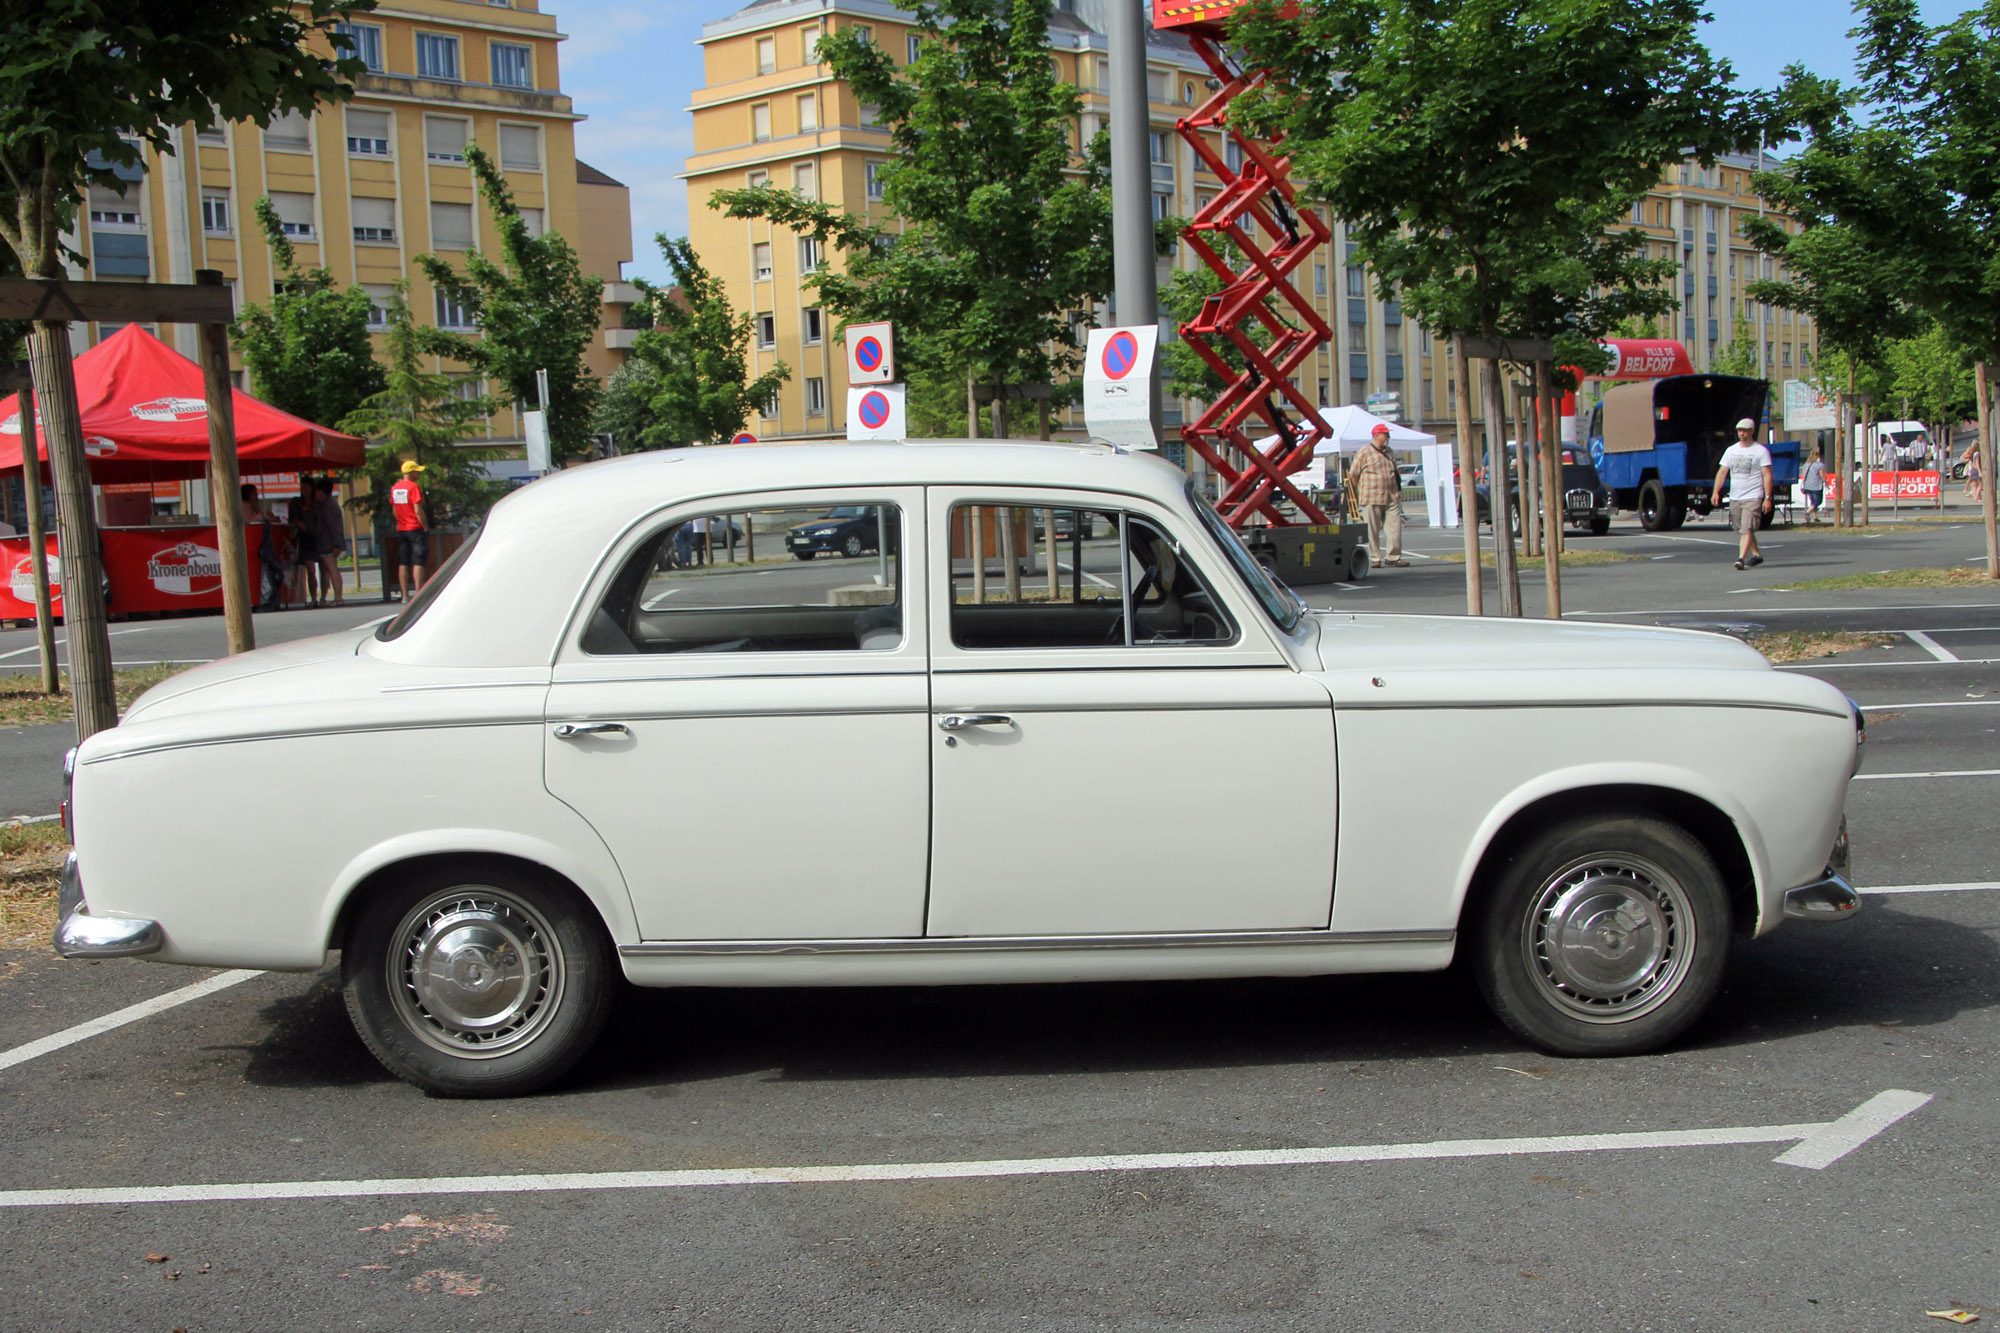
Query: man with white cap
(1746, 465)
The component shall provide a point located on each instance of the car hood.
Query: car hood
(1413, 661)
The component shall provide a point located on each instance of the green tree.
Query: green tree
(309, 352)
(421, 417)
(1004, 237)
(690, 380)
(83, 86)
(625, 411)
(1477, 148)
(1932, 373)
(535, 308)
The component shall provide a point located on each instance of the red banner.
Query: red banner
(17, 588)
(1903, 485)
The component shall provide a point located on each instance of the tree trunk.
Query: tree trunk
(1497, 503)
(38, 544)
(1000, 431)
(92, 689)
(1848, 451)
(971, 406)
(1526, 469)
(1867, 486)
(1550, 449)
(1468, 498)
(1042, 419)
(222, 481)
(1984, 379)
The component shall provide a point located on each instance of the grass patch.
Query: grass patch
(22, 703)
(1804, 647)
(1955, 576)
(31, 857)
(1574, 558)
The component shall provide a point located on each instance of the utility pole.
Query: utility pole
(1132, 257)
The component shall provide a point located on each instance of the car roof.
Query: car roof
(510, 601)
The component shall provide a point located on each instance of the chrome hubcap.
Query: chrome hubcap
(476, 972)
(1610, 938)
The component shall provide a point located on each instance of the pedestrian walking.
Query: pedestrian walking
(1746, 466)
(1377, 489)
(1812, 484)
(413, 544)
(332, 544)
(1972, 455)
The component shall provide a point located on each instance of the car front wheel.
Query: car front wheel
(1603, 936)
(477, 981)
(852, 546)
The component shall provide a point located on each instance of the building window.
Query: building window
(808, 113)
(1156, 145)
(767, 55)
(445, 138)
(1232, 154)
(805, 180)
(913, 46)
(757, 180)
(864, 34)
(812, 323)
(1357, 281)
(374, 220)
(760, 121)
(513, 65)
(367, 40)
(520, 148)
(380, 297)
(216, 135)
(1326, 393)
(109, 209)
(760, 261)
(1103, 74)
(533, 218)
(289, 133)
(1162, 206)
(1357, 336)
(215, 212)
(815, 396)
(451, 226)
(451, 314)
(809, 44)
(368, 133)
(808, 253)
(1660, 215)
(295, 214)
(874, 180)
(871, 115)
(1319, 280)
(767, 331)
(437, 56)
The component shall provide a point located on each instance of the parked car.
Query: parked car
(851, 530)
(1587, 501)
(1410, 476)
(542, 828)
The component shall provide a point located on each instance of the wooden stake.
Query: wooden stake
(223, 479)
(1984, 377)
(1552, 488)
(38, 545)
(1468, 498)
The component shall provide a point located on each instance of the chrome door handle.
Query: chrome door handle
(569, 731)
(960, 721)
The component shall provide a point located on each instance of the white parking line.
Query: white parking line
(1870, 666)
(1818, 1145)
(1969, 887)
(1930, 645)
(1948, 703)
(1784, 610)
(1938, 773)
(159, 1004)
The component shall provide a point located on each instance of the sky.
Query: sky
(632, 69)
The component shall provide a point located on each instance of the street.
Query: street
(1360, 1152)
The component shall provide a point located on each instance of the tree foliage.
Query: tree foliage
(535, 308)
(686, 379)
(420, 416)
(1004, 237)
(308, 352)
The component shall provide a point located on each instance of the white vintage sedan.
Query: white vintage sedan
(994, 750)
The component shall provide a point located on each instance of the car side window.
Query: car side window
(1028, 577)
(819, 578)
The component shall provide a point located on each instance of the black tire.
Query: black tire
(1647, 924)
(805, 555)
(1653, 508)
(520, 983)
(852, 546)
(1600, 525)
(1357, 565)
(1677, 512)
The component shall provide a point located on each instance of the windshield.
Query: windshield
(1280, 603)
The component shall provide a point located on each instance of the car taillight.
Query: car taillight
(69, 786)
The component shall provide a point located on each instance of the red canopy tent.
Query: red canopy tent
(144, 419)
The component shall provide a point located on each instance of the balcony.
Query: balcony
(622, 293)
(621, 340)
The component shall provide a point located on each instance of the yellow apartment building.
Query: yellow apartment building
(770, 112)
(365, 186)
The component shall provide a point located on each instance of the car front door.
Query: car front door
(751, 739)
(1118, 746)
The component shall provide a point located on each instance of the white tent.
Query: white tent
(1352, 427)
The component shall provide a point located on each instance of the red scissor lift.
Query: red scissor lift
(1256, 211)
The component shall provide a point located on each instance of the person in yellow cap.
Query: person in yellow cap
(413, 543)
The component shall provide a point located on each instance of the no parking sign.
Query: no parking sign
(1118, 385)
(871, 354)
(876, 413)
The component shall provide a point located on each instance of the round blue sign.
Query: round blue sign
(1120, 355)
(868, 354)
(874, 410)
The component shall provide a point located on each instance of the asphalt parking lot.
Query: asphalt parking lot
(1344, 1153)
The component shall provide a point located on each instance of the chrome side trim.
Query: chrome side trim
(528, 720)
(1034, 944)
(1387, 705)
(1829, 898)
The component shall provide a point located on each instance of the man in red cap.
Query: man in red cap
(1378, 491)
(413, 544)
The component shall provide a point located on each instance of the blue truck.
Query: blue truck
(1657, 443)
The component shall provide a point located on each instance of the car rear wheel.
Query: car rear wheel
(1600, 525)
(1603, 936)
(477, 980)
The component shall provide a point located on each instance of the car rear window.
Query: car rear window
(428, 594)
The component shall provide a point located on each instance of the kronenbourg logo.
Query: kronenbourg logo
(171, 409)
(185, 570)
(96, 446)
(12, 425)
(21, 579)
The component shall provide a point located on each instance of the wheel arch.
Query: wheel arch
(1720, 832)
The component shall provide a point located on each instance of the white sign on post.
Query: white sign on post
(871, 354)
(1117, 385)
(535, 425)
(875, 412)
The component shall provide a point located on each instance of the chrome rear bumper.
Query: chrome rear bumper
(82, 935)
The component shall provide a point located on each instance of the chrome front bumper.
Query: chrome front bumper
(1828, 898)
(82, 935)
